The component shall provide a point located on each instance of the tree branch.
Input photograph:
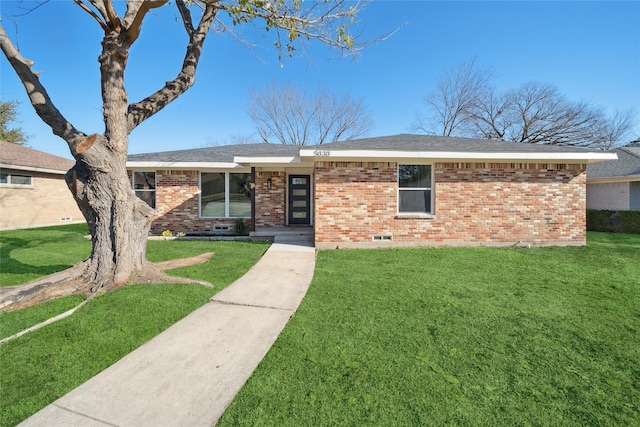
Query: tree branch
(93, 14)
(38, 95)
(141, 8)
(140, 111)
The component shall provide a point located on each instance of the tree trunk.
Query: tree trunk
(118, 221)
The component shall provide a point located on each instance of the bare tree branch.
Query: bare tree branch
(138, 9)
(94, 15)
(140, 111)
(615, 128)
(465, 104)
(456, 94)
(38, 95)
(291, 117)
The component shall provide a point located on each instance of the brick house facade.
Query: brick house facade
(364, 193)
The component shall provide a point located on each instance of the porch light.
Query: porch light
(269, 184)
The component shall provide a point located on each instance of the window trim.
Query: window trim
(227, 183)
(425, 214)
(9, 182)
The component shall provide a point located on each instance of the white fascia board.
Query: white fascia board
(286, 160)
(626, 178)
(589, 157)
(183, 165)
(32, 169)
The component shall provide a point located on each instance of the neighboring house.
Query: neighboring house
(615, 184)
(403, 190)
(33, 191)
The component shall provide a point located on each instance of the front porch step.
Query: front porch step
(301, 235)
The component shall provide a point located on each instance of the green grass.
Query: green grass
(43, 365)
(28, 254)
(458, 336)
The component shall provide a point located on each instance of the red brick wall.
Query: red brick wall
(271, 203)
(177, 204)
(474, 203)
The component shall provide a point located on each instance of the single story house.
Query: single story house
(402, 190)
(615, 184)
(33, 192)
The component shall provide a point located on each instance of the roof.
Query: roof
(402, 146)
(16, 156)
(626, 167)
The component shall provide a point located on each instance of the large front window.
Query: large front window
(144, 185)
(225, 195)
(414, 189)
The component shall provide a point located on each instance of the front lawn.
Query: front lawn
(43, 365)
(458, 336)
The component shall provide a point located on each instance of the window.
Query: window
(414, 189)
(225, 194)
(144, 185)
(15, 179)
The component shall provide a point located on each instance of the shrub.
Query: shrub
(239, 227)
(613, 221)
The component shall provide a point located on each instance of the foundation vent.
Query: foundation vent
(382, 237)
(222, 228)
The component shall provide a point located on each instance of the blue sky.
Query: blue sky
(589, 50)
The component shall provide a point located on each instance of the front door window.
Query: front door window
(299, 199)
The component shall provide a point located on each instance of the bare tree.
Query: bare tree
(456, 93)
(535, 113)
(118, 221)
(290, 116)
(615, 129)
(466, 104)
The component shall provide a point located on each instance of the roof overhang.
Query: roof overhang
(378, 155)
(612, 179)
(32, 169)
(269, 161)
(184, 165)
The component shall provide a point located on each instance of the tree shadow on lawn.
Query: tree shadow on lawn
(11, 265)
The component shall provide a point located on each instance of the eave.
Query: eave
(378, 155)
(32, 169)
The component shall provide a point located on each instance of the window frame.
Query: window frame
(145, 190)
(400, 189)
(227, 198)
(10, 182)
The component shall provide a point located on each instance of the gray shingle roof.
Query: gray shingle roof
(402, 142)
(628, 164)
(222, 153)
(408, 142)
(17, 155)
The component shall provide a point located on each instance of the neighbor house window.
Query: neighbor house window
(16, 179)
(414, 189)
(144, 185)
(225, 195)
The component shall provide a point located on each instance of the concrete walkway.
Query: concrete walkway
(188, 375)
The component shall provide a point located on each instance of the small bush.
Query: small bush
(239, 227)
(613, 221)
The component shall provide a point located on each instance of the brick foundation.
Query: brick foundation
(474, 204)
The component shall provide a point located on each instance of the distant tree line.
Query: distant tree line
(466, 103)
